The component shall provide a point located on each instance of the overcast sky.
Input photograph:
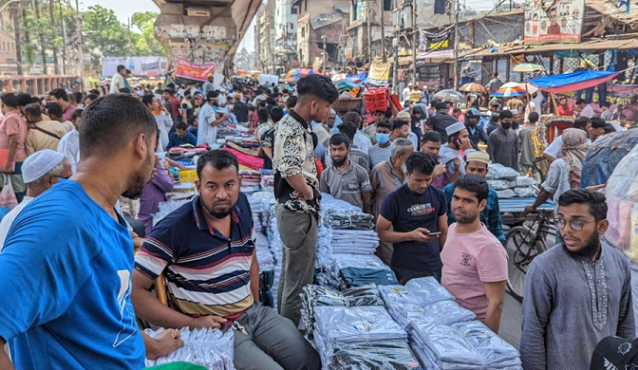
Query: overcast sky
(125, 8)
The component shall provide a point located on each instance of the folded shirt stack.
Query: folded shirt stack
(341, 219)
(390, 355)
(440, 347)
(341, 332)
(497, 353)
(210, 348)
(315, 296)
(352, 270)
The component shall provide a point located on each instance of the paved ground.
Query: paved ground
(510, 329)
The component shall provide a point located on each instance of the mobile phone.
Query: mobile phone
(433, 234)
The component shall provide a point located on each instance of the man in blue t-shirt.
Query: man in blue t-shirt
(66, 265)
(413, 217)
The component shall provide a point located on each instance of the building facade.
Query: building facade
(285, 26)
(322, 26)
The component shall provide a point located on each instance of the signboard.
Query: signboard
(379, 74)
(193, 71)
(431, 41)
(553, 22)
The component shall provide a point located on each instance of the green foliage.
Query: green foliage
(103, 34)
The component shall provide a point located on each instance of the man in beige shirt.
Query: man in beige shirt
(42, 134)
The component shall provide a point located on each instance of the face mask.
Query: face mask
(383, 138)
(334, 129)
(506, 125)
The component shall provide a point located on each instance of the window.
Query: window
(387, 5)
(293, 10)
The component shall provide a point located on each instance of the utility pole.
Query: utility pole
(323, 68)
(395, 45)
(382, 31)
(369, 24)
(130, 43)
(18, 36)
(80, 43)
(456, 45)
(415, 38)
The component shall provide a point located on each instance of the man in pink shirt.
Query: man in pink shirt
(61, 97)
(13, 134)
(474, 261)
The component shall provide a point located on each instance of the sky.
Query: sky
(124, 9)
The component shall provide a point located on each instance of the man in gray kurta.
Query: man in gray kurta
(576, 293)
(502, 144)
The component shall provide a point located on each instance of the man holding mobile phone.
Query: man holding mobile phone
(458, 138)
(413, 217)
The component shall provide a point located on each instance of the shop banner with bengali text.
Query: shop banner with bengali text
(194, 71)
(557, 22)
(379, 74)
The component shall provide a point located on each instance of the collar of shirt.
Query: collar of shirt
(298, 118)
(350, 167)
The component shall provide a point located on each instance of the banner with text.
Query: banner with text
(560, 23)
(194, 71)
(379, 74)
(429, 41)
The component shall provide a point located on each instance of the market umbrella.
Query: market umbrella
(473, 87)
(450, 96)
(512, 84)
(529, 67)
(574, 81)
(510, 92)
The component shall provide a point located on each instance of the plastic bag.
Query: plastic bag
(390, 355)
(525, 192)
(499, 172)
(7, 195)
(524, 181)
(505, 194)
(499, 184)
(428, 291)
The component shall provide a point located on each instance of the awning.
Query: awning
(590, 45)
(574, 81)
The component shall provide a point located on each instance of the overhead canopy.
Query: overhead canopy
(574, 81)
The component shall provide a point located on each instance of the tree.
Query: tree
(55, 49)
(105, 35)
(43, 49)
(18, 35)
(144, 42)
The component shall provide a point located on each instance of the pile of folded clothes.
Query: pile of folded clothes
(315, 296)
(360, 338)
(353, 270)
(250, 180)
(443, 334)
(210, 348)
(340, 219)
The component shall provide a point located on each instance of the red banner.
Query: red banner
(193, 71)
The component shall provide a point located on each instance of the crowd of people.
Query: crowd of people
(420, 172)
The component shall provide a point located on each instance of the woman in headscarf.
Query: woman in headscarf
(564, 173)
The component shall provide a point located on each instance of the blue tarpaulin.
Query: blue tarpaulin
(574, 81)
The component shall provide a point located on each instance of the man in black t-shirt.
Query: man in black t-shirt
(414, 218)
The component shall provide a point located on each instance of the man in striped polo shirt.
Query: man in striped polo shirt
(206, 251)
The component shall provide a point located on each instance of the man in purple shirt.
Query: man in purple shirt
(61, 97)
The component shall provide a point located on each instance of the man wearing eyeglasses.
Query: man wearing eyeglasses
(40, 171)
(576, 293)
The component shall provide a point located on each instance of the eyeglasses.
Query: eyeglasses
(576, 225)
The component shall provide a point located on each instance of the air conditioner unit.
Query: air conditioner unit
(196, 11)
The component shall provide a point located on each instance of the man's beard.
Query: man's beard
(339, 163)
(136, 187)
(466, 218)
(591, 249)
(219, 214)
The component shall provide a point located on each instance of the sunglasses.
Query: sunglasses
(576, 225)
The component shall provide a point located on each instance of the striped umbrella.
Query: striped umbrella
(473, 87)
(510, 92)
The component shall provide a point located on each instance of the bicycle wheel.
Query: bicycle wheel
(521, 248)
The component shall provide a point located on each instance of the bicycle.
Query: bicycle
(523, 244)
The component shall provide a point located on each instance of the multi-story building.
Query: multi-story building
(7, 44)
(285, 24)
(264, 37)
(364, 34)
(321, 27)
